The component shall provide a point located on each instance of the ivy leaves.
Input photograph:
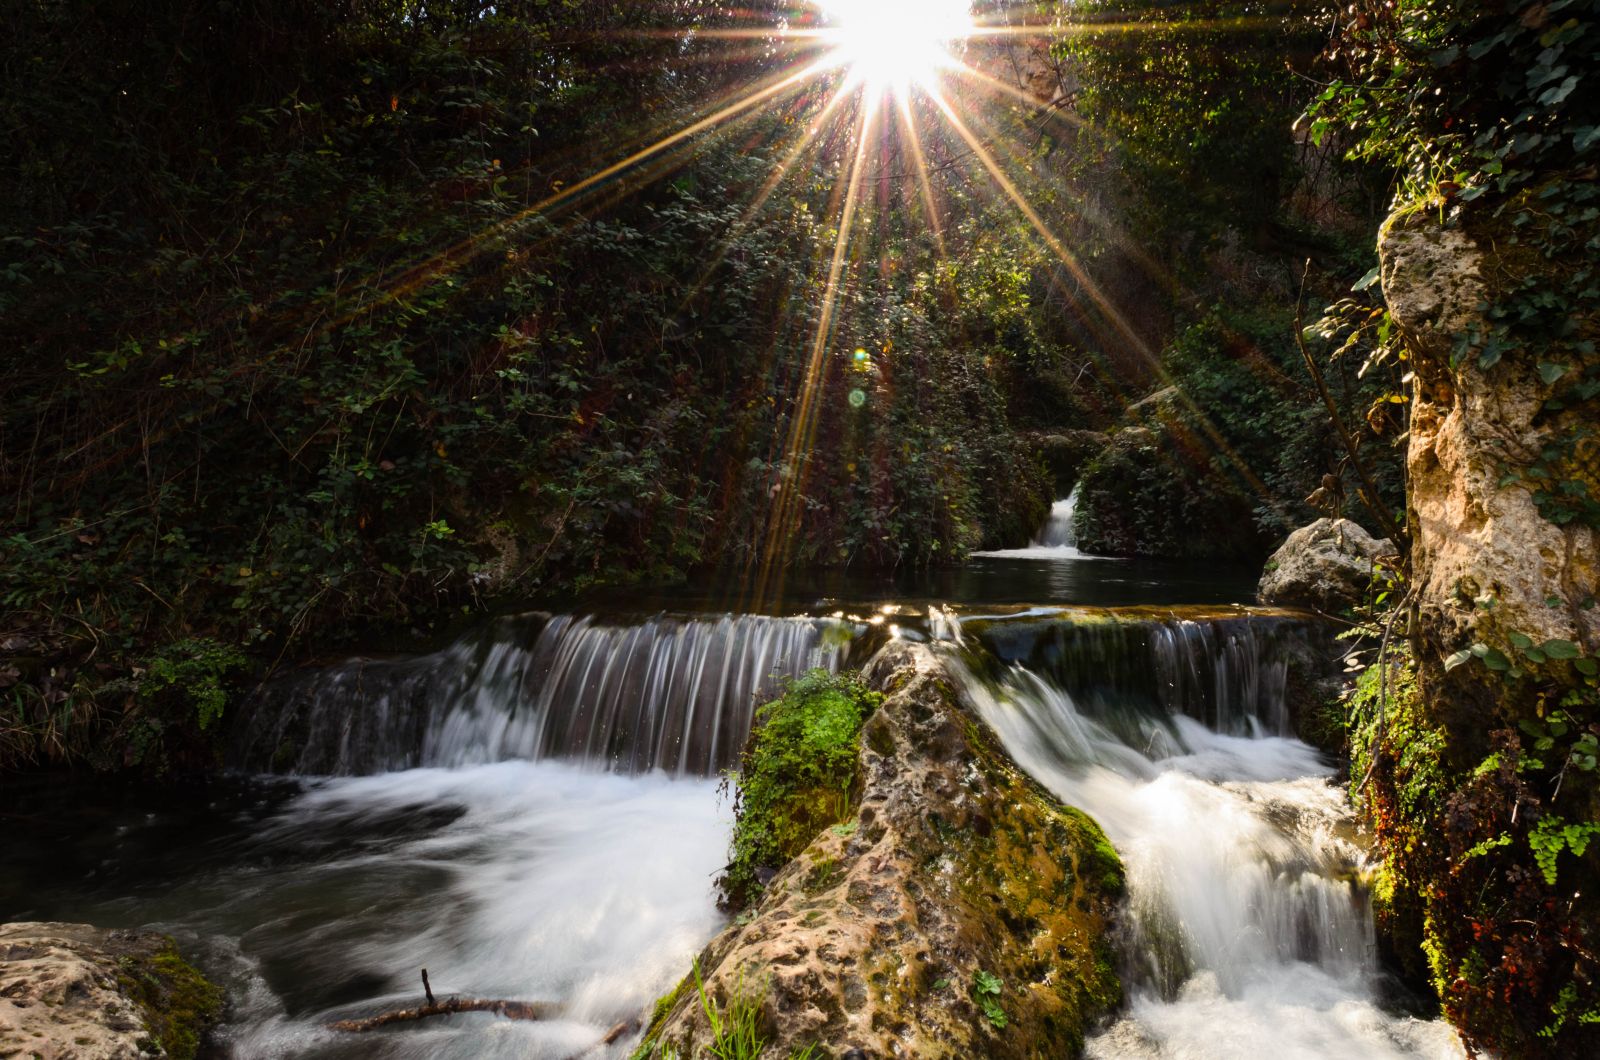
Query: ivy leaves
(1499, 662)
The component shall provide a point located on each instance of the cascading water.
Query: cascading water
(474, 850)
(670, 693)
(586, 883)
(1248, 933)
(1059, 531)
(1058, 539)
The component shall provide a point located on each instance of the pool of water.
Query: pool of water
(313, 901)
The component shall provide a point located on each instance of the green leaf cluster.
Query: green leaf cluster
(986, 990)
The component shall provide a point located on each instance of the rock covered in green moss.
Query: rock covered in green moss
(960, 912)
(76, 992)
(796, 776)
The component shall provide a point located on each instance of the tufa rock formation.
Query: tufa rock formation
(75, 992)
(1476, 537)
(1477, 780)
(962, 912)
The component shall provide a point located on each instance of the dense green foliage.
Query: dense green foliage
(296, 344)
(1483, 787)
(1189, 144)
(1220, 463)
(1484, 868)
(796, 777)
(1189, 109)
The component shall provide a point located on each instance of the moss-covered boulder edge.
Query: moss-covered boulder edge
(959, 910)
(75, 989)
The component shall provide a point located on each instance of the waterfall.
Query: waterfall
(1059, 531)
(1248, 931)
(1057, 539)
(671, 693)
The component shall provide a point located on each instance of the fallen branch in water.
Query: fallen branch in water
(515, 1010)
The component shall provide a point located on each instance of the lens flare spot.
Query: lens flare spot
(857, 398)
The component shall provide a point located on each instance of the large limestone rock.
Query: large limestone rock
(1477, 540)
(1327, 566)
(955, 865)
(75, 992)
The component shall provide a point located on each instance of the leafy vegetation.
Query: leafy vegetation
(298, 348)
(1238, 441)
(1479, 857)
(1189, 143)
(1482, 779)
(986, 990)
(796, 777)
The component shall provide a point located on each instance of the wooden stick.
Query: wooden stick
(426, 989)
(515, 1010)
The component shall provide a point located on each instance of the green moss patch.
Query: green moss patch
(177, 1003)
(796, 777)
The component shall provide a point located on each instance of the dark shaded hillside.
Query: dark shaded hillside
(313, 324)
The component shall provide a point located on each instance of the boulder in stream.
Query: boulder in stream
(76, 992)
(962, 911)
(1327, 565)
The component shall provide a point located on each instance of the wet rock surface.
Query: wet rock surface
(960, 912)
(1327, 565)
(76, 992)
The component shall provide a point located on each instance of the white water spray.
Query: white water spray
(1248, 933)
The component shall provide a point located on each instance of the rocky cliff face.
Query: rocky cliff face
(961, 912)
(1483, 560)
(1475, 756)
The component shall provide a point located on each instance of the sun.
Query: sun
(894, 44)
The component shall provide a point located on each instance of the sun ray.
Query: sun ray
(1096, 295)
(924, 181)
(779, 171)
(795, 461)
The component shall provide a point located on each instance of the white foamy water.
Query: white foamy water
(1057, 540)
(1248, 936)
(530, 881)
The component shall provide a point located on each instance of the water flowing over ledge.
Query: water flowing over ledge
(1248, 929)
(678, 692)
(668, 692)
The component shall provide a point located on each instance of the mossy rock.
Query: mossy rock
(178, 1003)
(962, 911)
(82, 990)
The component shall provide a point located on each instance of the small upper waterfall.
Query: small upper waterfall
(1059, 531)
(1057, 539)
(671, 693)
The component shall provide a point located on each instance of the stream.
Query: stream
(532, 812)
